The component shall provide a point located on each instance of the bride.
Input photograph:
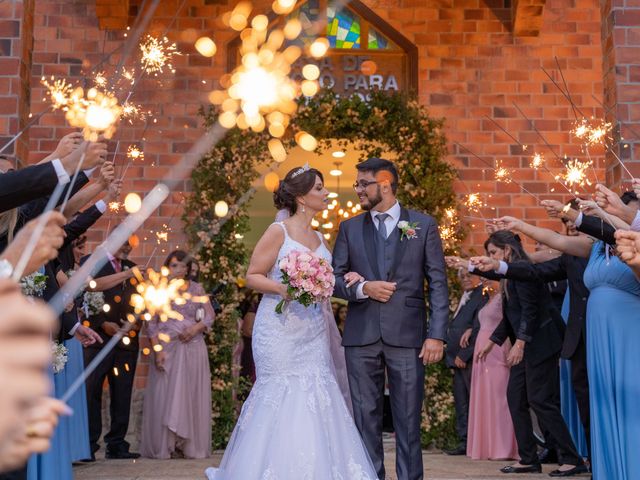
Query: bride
(296, 423)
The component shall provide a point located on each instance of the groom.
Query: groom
(395, 250)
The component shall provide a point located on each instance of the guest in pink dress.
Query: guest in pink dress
(491, 435)
(176, 418)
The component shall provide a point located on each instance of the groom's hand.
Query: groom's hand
(379, 290)
(432, 351)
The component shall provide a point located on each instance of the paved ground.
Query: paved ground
(437, 467)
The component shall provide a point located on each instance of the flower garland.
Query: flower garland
(389, 123)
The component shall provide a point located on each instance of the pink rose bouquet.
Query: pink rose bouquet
(308, 277)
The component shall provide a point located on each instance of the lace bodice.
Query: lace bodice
(290, 245)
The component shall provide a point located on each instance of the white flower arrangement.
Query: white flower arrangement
(92, 303)
(59, 354)
(33, 285)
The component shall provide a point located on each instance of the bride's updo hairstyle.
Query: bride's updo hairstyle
(297, 183)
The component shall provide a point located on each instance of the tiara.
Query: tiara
(301, 170)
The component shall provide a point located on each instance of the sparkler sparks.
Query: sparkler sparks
(129, 75)
(96, 113)
(592, 133)
(135, 153)
(158, 294)
(100, 80)
(131, 112)
(473, 202)
(575, 174)
(537, 160)
(260, 93)
(114, 207)
(157, 53)
(502, 174)
(59, 92)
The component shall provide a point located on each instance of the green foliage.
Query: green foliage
(393, 126)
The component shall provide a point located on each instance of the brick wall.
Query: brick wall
(621, 73)
(16, 44)
(470, 66)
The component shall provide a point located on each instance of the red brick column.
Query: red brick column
(621, 75)
(16, 46)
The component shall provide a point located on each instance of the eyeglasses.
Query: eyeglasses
(362, 184)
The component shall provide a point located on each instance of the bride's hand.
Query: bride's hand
(284, 292)
(352, 278)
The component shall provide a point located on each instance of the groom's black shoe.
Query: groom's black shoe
(459, 450)
(535, 468)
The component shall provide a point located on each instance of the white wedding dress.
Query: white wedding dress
(296, 423)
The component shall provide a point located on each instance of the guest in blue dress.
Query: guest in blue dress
(79, 421)
(54, 464)
(613, 320)
(568, 402)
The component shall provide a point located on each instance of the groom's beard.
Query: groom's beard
(372, 201)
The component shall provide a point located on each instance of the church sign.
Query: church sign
(365, 52)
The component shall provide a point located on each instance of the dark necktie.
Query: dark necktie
(382, 227)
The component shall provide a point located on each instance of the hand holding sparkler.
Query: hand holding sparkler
(628, 248)
(456, 262)
(67, 144)
(107, 174)
(46, 247)
(484, 263)
(636, 186)
(113, 192)
(556, 209)
(508, 223)
(613, 205)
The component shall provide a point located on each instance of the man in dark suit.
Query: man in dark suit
(395, 250)
(460, 358)
(119, 367)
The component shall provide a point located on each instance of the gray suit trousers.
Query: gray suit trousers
(366, 369)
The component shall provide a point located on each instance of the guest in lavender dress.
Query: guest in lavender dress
(490, 435)
(176, 419)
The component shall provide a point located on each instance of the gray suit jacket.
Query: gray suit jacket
(402, 321)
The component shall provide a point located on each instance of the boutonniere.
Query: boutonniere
(409, 229)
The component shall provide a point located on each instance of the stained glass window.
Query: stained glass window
(377, 41)
(343, 28)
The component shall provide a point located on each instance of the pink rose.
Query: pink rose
(411, 232)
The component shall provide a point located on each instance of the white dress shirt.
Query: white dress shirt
(390, 222)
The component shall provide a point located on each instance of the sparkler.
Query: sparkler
(135, 153)
(575, 174)
(114, 207)
(100, 80)
(96, 113)
(157, 53)
(131, 112)
(537, 160)
(59, 91)
(473, 202)
(157, 295)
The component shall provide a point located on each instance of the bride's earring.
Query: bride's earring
(302, 208)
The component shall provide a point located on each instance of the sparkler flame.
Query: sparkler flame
(473, 202)
(537, 160)
(135, 153)
(593, 133)
(100, 80)
(59, 92)
(114, 207)
(96, 113)
(131, 112)
(157, 53)
(158, 294)
(502, 174)
(575, 174)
